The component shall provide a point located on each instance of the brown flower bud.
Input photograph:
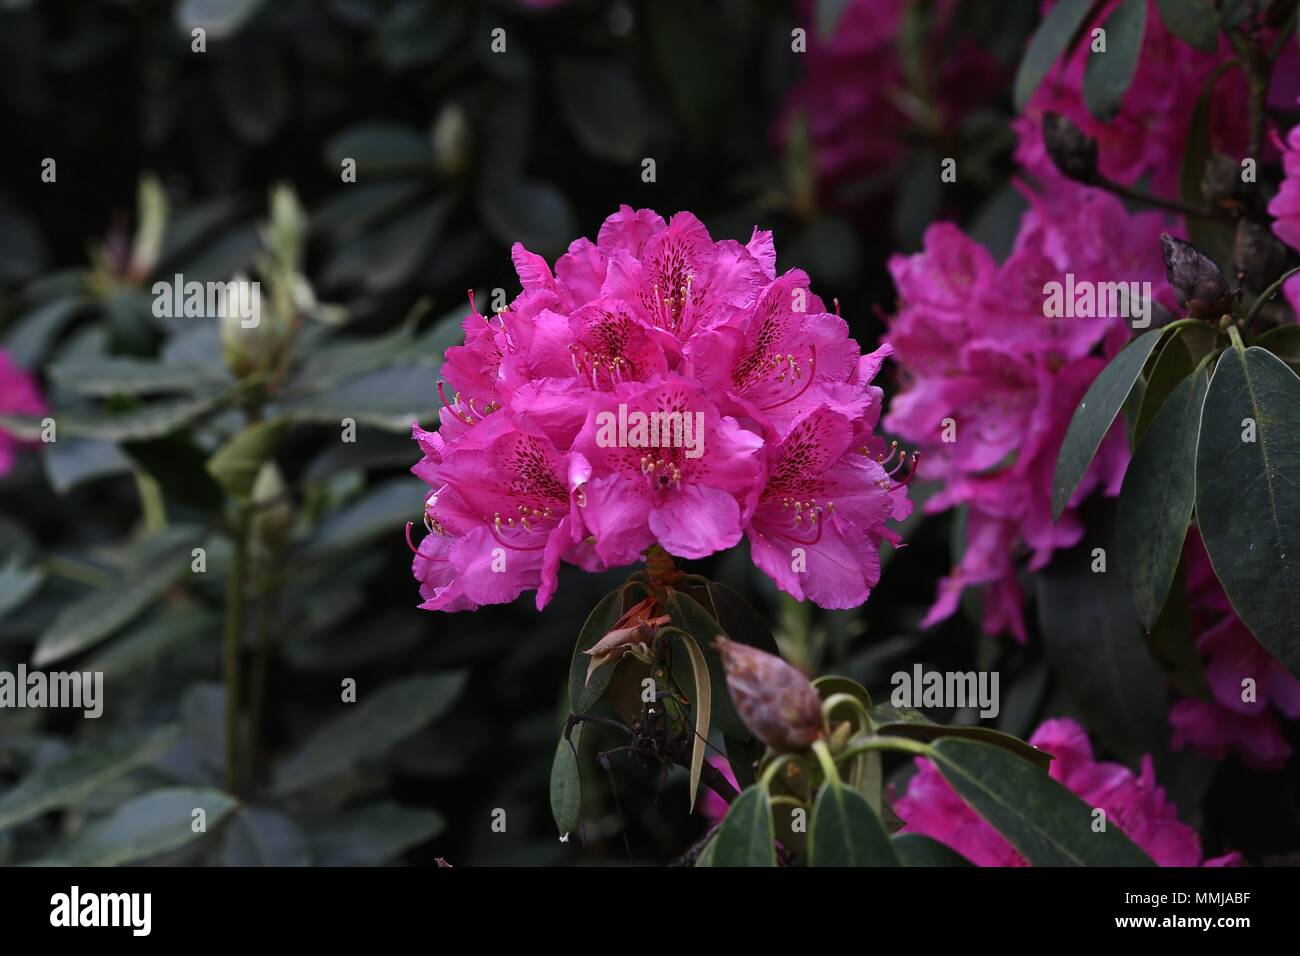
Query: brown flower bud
(637, 626)
(1073, 153)
(776, 702)
(1195, 279)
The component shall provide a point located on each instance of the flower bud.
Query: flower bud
(1073, 153)
(1195, 279)
(776, 702)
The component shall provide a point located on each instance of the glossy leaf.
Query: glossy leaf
(927, 732)
(1247, 496)
(1047, 823)
(746, 836)
(1172, 365)
(1093, 418)
(584, 694)
(145, 827)
(916, 849)
(566, 783)
(1108, 75)
(1054, 36)
(1194, 21)
(845, 831)
(1155, 504)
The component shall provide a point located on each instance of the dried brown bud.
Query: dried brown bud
(1259, 255)
(637, 626)
(1223, 185)
(1195, 279)
(1074, 153)
(774, 700)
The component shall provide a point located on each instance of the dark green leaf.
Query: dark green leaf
(916, 849)
(746, 837)
(1155, 505)
(374, 834)
(81, 774)
(687, 614)
(17, 584)
(380, 149)
(368, 729)
(605, 107)
(927, 732)
(236, 463)
(1054, 35)
(1194, 21)
(583, 694)
(1047, 823)
(144, 827)
(1172, 365)
(534, 213)
(1248, 496)
(161, 561)
(566, 784)
(1093, 418)
(119, 375)
(261, 837)
(845, 831)
(1098, 647)
(1108, 75)
(70, 462)
(220, 18)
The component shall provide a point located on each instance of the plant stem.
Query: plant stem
(232, 646)
(151, 501)
(1149, 199)
(1267, 294)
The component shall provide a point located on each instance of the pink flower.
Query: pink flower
(655, 387)
(1249, 688)
(1133, 802)
(1285, 207)
(991, 382)
(711, 806)
(18, 396)
(1148, 137)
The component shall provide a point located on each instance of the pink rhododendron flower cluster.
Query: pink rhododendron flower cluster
(1133, 802)
(991, 382)
(1240, 719)
(854, 96)
(18, 396)
(1149, 135)
(539, 458)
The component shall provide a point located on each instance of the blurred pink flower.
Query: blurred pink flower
(856, 104)
(655, 318)
(990, 382)
(1228, 723)
(1133, 802)
(1149, 135)
(18, 396)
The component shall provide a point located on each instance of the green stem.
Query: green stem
(261, 664)
(823, 755)
(76, 571)
(232, 646)
(151, 501)
(1234, 334)
(885, 743)
(1267, 294)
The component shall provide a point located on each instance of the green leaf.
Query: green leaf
(383, 509)
(1108, 75)
(1155, 504)
(1172, 644)
(70, 462)
(1093, 418)
(1248, 495)
(566, 783)
(105, 376)
(374, 834)
(916, 849)
(163, 631)
(845, 831)
(1097, 646)
(158, 565)
(739, 620)
(380, 149)
(828, 15)
(691, 617)
(1284, 342)
(584, 694)
(261, 837)
(145, 827)
(1054, 35)
(701, 705)
(605, 107)
(534, 213)
(746, 836)
(388, 399)
(17, 584)
(368, 729)
(926, 732)
(151, 420)
(1047, 823)
(220, 18)
(236, 463)
(81, 774)
(1171, 366)
(1195, 22)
